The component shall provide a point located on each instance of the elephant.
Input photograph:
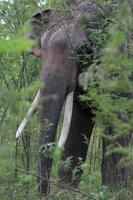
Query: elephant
(60, 39)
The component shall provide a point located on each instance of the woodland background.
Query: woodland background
(19, 82)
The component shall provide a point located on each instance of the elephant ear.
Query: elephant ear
(38, 23)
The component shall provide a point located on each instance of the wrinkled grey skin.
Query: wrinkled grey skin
(60, 37)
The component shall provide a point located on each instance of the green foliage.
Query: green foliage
(109, 84)
(18, 85)
(59, 5)
(14, 45)
(47, 150)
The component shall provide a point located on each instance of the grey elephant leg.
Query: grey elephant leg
(76, 146)
(113, 174)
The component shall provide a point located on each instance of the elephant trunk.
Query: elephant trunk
(51, 99)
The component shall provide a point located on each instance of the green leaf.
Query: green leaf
(15, 45)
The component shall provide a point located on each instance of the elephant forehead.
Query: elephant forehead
(58, 39)
(70, 36)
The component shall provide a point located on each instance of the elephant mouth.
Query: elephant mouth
(66, 121)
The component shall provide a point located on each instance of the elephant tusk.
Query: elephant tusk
(66, 120)
(28, 115)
